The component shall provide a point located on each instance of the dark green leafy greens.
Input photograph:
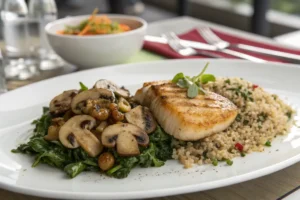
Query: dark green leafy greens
(72, 161)
(75, 161)
(155, 155)
(193, 84)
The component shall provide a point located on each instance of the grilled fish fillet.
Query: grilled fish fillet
(184, 118)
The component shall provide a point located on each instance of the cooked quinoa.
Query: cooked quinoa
(262, 116)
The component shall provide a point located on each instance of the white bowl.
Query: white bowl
(99, 50)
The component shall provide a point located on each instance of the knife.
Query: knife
(279, 54)
(204, 46)
(187, 43)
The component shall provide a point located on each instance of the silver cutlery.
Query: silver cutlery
(222, 46)
(193, 44)
(197, 45)
(174, 43)
(203, 46)
(225, 44)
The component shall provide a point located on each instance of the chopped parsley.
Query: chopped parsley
(289, 114)
(246, 94)
(268, 143)
(262, 117)
(246, 122)
(214, 162)
(238, 118)
(229, 162)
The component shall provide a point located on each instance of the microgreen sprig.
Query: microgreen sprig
(194, 84)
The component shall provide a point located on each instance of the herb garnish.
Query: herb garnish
(194, 84)
(229, 162)
(83, 87)
(289, 114)
(262, 117)
(214, 162)
(268, 143)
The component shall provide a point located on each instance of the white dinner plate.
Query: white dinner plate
(19, 107)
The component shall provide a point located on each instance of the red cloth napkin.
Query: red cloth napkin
(193, 35)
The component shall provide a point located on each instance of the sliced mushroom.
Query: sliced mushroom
(53, 130)
(62, 103)
(98, 131)
(106, 84)
(76, 132)
(82, 97)
(124, 105)
(52, 133)
(101, 126)
(141, 117)
(126, 137)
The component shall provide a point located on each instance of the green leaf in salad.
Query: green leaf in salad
(83, 87)
(82, 24)
(114, 26)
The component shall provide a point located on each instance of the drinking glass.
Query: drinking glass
(19, 62)
(43, 12)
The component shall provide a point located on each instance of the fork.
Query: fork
(174, 43)
(221, 45)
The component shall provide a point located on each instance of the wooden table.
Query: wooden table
(269, 187)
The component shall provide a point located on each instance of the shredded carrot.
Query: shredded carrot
(95, 25)
(60, 32)
(87, 27)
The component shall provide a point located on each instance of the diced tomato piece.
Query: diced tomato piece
(254, 86)
(239, 147)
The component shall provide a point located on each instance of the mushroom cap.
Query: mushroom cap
(62, 102)
(142, 117)
(75, 132)
(91, 94)
(126, 136)
(109, 85)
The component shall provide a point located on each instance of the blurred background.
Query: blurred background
(27, 53)
(282, 16)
